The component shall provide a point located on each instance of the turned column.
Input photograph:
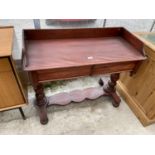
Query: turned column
(110, 90)
(41, 103)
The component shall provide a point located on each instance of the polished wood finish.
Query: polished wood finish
(88, 51)
(138, 90)
(50, 55)
(11, 95)
(110, 90)
(74, 51)
(41, 102)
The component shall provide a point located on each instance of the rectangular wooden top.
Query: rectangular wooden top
(68, 51)
(6, 41)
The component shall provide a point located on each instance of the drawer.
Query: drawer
(4, 65)
(112, 68)
(63, 73)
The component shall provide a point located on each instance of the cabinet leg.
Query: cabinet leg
(41, 103)
(110, 90)
(22, 113)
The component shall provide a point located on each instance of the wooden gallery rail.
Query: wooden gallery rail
(58, 54)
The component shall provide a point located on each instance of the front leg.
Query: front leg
(41, 103)
(110, 90)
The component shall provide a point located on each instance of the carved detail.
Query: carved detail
(89, 93)
(41, 103)
(112, 83)
(110, 90)
(76, 96)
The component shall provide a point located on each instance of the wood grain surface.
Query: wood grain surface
(4, 65)
(6, 41)
(62, 53)
(11, 92)
(10, 95)
(141, 88)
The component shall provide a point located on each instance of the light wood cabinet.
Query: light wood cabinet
(139, 90)
(11, 90)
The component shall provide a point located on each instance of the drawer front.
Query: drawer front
(64, 73)
(112, 68)
(4, 65)
(68, 73)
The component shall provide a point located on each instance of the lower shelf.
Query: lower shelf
(76, 96)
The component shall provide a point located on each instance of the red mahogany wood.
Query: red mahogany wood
(64, 53)
(73, 72)
(56, 54)
(110, 90)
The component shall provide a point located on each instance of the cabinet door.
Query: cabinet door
(10, 94)
(5, 65)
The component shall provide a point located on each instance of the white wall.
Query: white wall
(94, 23)
(19, 24)
(131, 24)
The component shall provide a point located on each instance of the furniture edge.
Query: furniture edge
(133, 104)
(146, 42)
(4, 27)
(18, 80)
(10, 51)
(134, 40)
(12, 107)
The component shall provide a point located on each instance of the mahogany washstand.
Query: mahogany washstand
(58, 54)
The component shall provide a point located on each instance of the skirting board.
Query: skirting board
(134, 106)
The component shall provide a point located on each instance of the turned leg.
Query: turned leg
(110, 90)
(41, 103)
